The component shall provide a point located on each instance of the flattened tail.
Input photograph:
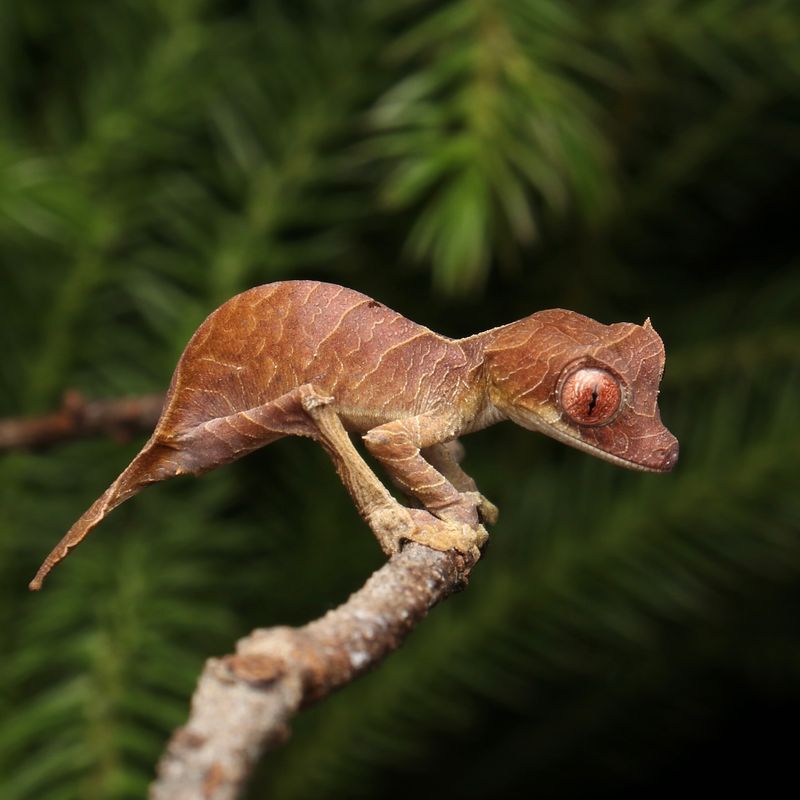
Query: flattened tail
(154, 463)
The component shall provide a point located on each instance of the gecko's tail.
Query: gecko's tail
(154, 463)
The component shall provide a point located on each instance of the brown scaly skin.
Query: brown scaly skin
(313, 359)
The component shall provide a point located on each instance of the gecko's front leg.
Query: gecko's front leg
(391, 522)
(446, 458)
(399, 446)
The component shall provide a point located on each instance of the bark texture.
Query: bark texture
(244, 702)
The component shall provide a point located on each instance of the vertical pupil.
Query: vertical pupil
(593, 399)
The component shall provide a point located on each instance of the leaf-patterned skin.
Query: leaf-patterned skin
(313, 359)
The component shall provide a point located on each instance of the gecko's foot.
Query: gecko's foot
(446, 535)
(440, 534)
(396, 526)
(487, 510)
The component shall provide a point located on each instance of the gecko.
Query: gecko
(312, 359)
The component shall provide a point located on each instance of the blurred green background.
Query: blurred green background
(467, 162)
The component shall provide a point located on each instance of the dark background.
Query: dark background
(467, 163)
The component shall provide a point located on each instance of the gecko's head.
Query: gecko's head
(589, 385)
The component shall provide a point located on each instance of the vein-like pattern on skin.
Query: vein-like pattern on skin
(378, 364)
(303, 358)
(524, 380)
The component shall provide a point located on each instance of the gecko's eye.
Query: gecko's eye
(590, 396)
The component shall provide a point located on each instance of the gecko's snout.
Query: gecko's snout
(670, 457)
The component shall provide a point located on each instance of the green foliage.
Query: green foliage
(623, 159)
(486, 127)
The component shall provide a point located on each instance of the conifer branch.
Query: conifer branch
(244, 701)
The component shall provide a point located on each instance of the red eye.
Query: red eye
(590, 396)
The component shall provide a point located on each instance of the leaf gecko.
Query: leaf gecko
(304, 358)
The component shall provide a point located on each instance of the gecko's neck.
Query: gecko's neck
(484, 412)
(475, 346)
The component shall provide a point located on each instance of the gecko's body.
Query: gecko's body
(378, 365)
(314, 359)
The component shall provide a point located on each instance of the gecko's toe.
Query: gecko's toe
(486, 509)
(440, 534)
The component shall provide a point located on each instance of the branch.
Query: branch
(79, 418)
(243, 702)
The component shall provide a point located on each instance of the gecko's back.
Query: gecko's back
(270, 339)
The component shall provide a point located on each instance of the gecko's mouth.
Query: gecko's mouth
(659, 459)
